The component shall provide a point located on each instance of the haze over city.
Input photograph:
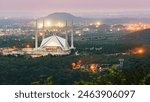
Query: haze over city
(38, 8)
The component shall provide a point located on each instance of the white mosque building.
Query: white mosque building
(54, 45)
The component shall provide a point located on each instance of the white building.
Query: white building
(55, 45)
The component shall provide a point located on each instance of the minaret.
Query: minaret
(43, 29)
(36, 36)
(66, 43)
(72, 32)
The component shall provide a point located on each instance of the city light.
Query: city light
(48, 24)
(91, 24)
(110, 30)
(33, 38)
(27, 46)
(93, 67)
(40, 34)
(76, 65)
(40, 25)
(98, 24)
(137, 27)
(14, 47)
(118, 29)
(86, 29)
(138, 51)
(61, 25)
(79, 34)
(73, 65)
(141, 51)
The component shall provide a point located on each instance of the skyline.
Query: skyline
(41, 8)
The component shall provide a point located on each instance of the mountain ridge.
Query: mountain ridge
(142, 37)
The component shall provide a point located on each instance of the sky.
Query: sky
(45, 7)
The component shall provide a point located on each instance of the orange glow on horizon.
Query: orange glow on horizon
(137, 27)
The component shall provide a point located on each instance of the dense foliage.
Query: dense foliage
(57, 70)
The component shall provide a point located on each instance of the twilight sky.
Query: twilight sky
(44, 7)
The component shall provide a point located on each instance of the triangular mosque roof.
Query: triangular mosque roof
(54, 41)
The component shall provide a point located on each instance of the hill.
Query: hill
(139, 37)
(61, 16)
(13, 21)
